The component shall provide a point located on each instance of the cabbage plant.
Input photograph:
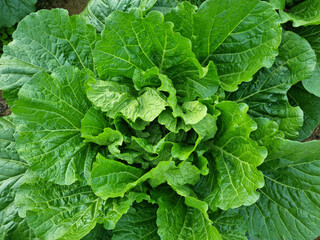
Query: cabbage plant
(162, 120)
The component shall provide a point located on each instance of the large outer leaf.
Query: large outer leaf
(130, 42)
(312, 35)
(48, 118)
(236, 159)
(12, 171)
(58, 212)
(222, 31)
(40, 45)
(266, 94)
(309, 103)
(97, 11)
(303, 14)
(138, 224)
(176, 221)
(289, 204)
(13, 11)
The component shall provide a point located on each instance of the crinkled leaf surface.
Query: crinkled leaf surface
(309, 103)
(12, 171)
(266, 94)
(39, 45)
(312, 35)
(222, 32)
(13, 11)
(130, 43)
(236, 159)
(138, 224)
(111, 178)
(48, 117)
(289, 204)
(175, 220)
(58, 212)
(230, 224)
(303, 14)
(115, 98)
(97, 11)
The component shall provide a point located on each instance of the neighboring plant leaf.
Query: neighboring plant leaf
(97, 11)
(178, 221)
(138, 224)
(303, 14)
(309, 103)
(289, 204)
(312, 35)
(13, 11)
(50, 138)
(35, 48)
(266, 94)
(12, 171)
(225, 41)
(236, 159)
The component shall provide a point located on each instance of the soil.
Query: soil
(73, 6)
(4, 108)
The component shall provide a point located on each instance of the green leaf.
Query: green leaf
(266, 94)
(113, 98)
(117, 207)
(236, 159)
(312, 35)
(58, 212)
(34, 48)
(12, 171)
(289, 204)
(111, 178)
(182, 17)
(93, 124)
(50, 138)
(176, 220)
(303, 14)
(191, 112)
(230, 225)
(98, 233)
(12, 12)
(223, 34)
(277, 4)
(138, 224)
(97, 11)
(172, 123)
(95, 128)
(132, 43)
(152, 47)
(309, 103)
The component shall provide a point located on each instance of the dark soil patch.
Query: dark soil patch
(4, 108)
(314, 136)
(73, 6)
